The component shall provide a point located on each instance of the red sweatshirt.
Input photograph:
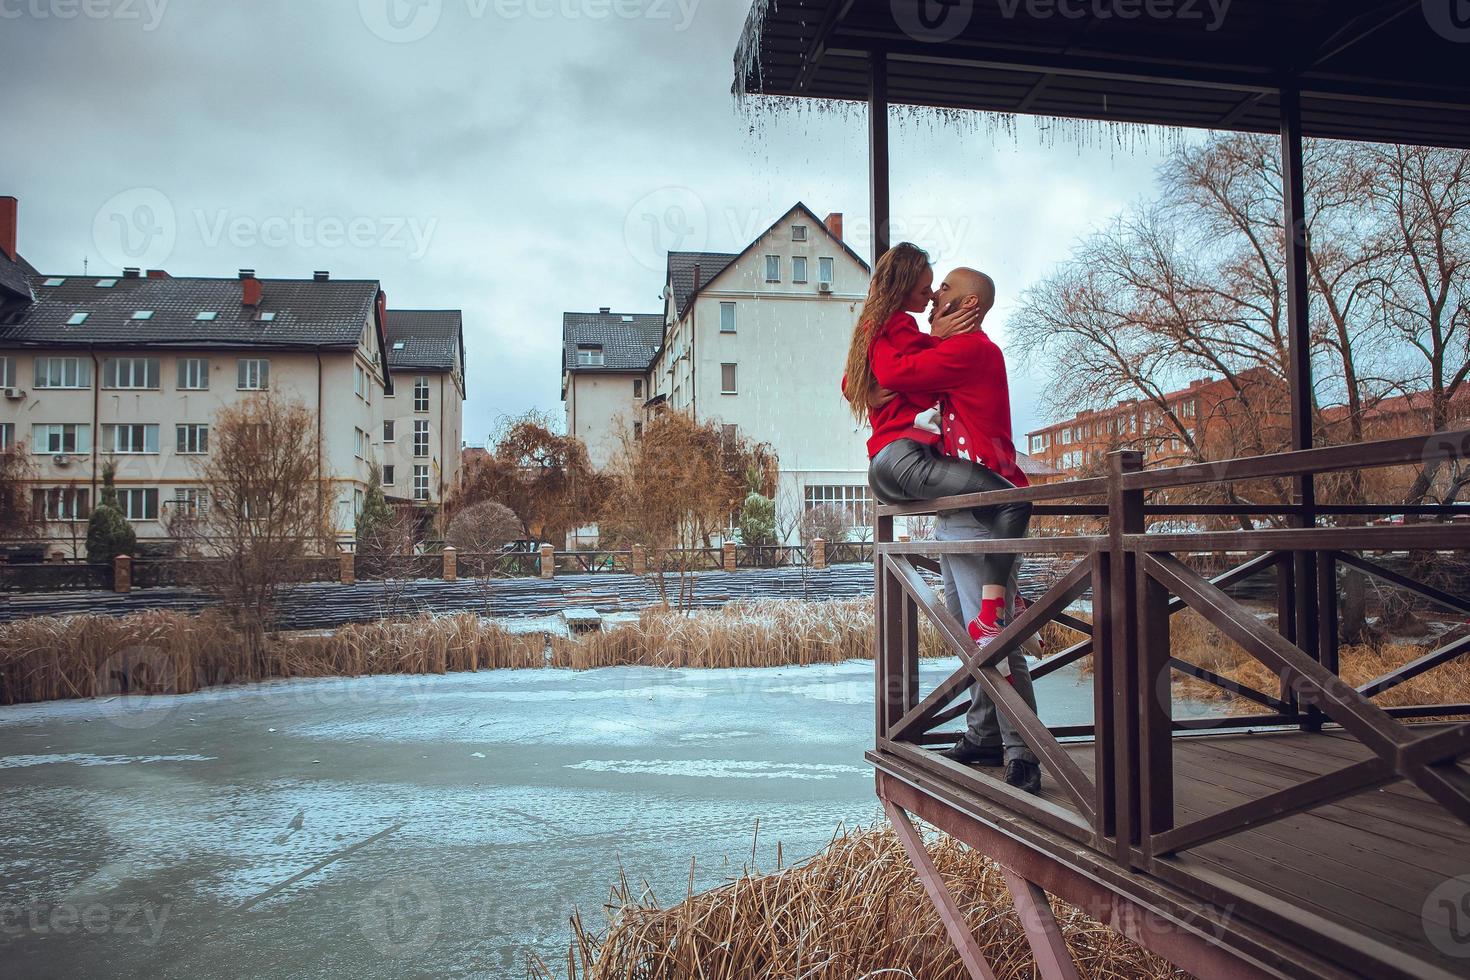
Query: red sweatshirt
(976, 410)
(900, 336)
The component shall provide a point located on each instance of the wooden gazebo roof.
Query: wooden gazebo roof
(1394, 71)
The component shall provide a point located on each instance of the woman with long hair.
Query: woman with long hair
(892, 383)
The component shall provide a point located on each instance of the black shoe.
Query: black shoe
(966, 753)
(1024, 775)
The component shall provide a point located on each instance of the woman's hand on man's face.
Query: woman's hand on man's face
(958, 322)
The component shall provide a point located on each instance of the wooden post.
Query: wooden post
(347, 568)
(548, 561)
(1125, 516)
(640, 560)
(819, 553)
(451, 564)
(122, 573)
(878, 149)
(729, 557)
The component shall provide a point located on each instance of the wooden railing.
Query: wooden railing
(1139, 578)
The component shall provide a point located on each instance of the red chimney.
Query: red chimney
(250, 291)
(8, 226)
(157, 274)
(833, 222)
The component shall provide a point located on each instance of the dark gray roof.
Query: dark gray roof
(629, 341)
(681, 273)
(14, 276)
(433, 340)
(308, 313)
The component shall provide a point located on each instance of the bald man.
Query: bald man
(968, 370)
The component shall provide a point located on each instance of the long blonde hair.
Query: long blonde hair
(895, 275)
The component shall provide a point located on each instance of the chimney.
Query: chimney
(8, 226)
(249, 288)
(833, 222)
(132, 272)
(604, 309)
(321, 275)
(696, 280)
(157, 274)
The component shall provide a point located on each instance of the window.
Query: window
(359, 381)
(139, 503)
(265, 316)
(590, 355)
(63, 372)
(421, 393)
(857, 501)
(1188, 409)
(798, 268)
(193, 374)
(63, 438)
(252, 374)
(130, 372)
(421, 439)
(54, 282)
(824, 269)
(189, 501)
(420, 483)
(207, 315)
(130, 438)
(357, 501)
(637, 387)
(1066, 436)
(7, 435)
(727, 318)
(142, 314)
(773, 268)
(193, 438)
(399, 344)
(60, 504)
(798, 233)
(387, 476)
(727, 379)
(359, 443)
(106, 283)
(7, 372)
(77, 319)
(388, 430)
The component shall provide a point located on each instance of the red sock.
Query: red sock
(989, 610)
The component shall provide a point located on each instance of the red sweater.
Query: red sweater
(976, 410)
(900, 336)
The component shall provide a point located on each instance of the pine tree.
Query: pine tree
(376, 518)
(108, 532)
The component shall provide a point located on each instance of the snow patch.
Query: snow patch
(87, 759)
(718, 768)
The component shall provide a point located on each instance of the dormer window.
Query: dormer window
(77, 319)
(207, 315)
(265, 316)
(54, 282)
(798, 233)
(590, 355)
(106, 283)
(142, 314)
(399, 345)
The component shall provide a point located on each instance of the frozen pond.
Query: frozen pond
(411, 826)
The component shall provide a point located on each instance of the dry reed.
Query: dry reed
(857, 909)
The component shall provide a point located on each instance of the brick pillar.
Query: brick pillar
(729, 556)
(819, 553)
(640, 560)
(451, 565)
(347, 567)
(548, 561)
(122, 574)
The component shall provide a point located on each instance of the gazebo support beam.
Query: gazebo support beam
(878, 150)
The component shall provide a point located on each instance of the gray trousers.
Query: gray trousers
(964, 577)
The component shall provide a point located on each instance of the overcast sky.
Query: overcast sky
(511, 158)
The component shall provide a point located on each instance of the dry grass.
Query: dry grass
(855, 910)
(423, 645)
(742, 634)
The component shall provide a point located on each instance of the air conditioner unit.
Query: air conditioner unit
(824, 287)
(14, 394)
(61, 460)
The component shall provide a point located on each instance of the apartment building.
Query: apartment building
(132, 369)
(606, 360)
(421, 434)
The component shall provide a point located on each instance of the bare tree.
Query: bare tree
(484, 526)
(266, 505)
(832, 524)
(17, 522)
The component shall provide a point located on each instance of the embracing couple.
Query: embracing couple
(939, 407)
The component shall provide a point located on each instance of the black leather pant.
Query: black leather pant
(906, 471)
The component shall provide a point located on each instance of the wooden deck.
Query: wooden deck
(1352, 881)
